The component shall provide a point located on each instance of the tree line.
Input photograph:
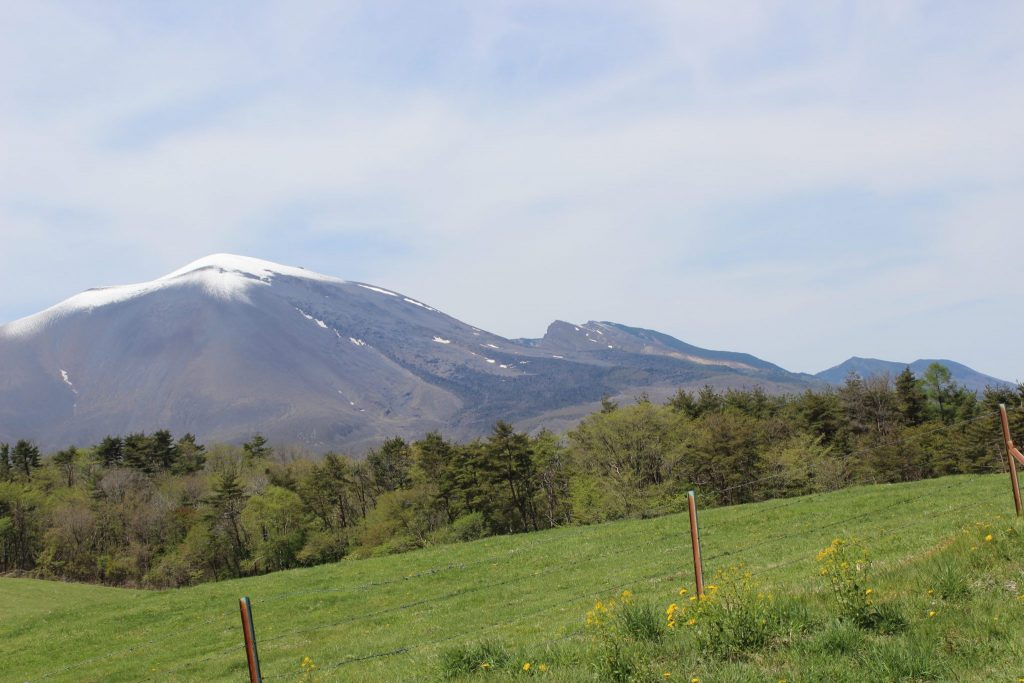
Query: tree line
(152, 510)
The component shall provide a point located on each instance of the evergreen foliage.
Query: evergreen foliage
(150, 510)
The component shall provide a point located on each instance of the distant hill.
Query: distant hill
(230, 345)
(872, 367)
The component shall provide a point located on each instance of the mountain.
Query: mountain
(872, 367)
(231, 345)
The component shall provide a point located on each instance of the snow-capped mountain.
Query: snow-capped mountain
(229, 345)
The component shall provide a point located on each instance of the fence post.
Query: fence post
(1009, 457)
(698, 565)
(249, 634)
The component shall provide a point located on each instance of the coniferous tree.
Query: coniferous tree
(912, 399)
(5, 462)
(110, 451)
(25, 457)
(511, 459)
(256, 448)
(390, 465)
(226, 505)
(162, 450)
(190, 455)
(137, 452)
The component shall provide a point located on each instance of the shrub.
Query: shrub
(846, 565)
(734, 615)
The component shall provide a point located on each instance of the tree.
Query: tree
(939, 386)
(25, 457)
(684, 402)
(5, 462)
(912, 399)
(110, 451)
(607, 404)
(137, 452)
(226, 506)
(256, 448)
(277, 523)
(65, 460)
(191, 456)
(390, 465)
(511, 457)
(162, 450)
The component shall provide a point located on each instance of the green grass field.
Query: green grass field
(531, 592)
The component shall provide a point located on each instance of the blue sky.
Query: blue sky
(802, 181)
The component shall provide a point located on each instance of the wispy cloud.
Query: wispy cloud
(801, 181)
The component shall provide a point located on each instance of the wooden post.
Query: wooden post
(249, 633)
(1009, 457)
(698, 566)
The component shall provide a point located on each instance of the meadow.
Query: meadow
(515, 600)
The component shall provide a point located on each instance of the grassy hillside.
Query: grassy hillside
(531, 592)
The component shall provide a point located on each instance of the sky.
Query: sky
(803, 181)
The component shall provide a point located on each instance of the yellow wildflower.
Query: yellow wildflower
(931, 613)
(485, 665)
(988, 538)
(543, 667)
(526, 666)
(869, 591)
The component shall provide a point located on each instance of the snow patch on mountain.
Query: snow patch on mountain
(223, 276)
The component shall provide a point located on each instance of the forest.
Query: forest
(152, 510)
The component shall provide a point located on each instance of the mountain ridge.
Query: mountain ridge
(230, 345)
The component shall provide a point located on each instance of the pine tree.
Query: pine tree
(25, 457)
(226, 506)
(110, 451)
(511, 457)
(138, 452)
(162, 450)
(5, 462)
(912, 399)
(191, 456)
(256, 448)
(390, 465)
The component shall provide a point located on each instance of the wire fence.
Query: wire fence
(675, 538)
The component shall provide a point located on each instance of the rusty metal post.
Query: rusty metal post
(698, 565)
(249, 633)
(1010, 448)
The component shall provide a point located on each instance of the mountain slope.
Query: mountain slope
(230, 345)
(872, 367)
(389, 618)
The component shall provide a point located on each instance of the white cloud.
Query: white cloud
(502, 156)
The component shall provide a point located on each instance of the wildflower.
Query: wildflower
(692, 598)
(694, 680)
(526, 666)
(626, 596)
(931, 613)
(543, 667)
(485, 665)
(691, 621)
(988, 538)
(869, 591)
(931, 591)
(683, 591)
(667, 674)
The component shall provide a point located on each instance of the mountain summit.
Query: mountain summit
(229, 345)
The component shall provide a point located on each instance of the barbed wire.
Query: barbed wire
(582, 530)
(660, 576)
